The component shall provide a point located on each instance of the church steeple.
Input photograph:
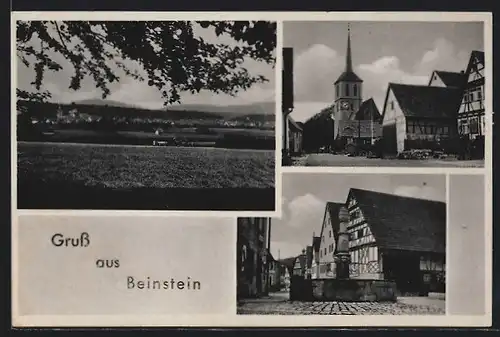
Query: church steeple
(348, 75)
(348, 57)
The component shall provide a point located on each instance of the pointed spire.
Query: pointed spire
(348, 58)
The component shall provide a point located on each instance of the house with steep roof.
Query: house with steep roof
(328, 235)
(397, 238)
(471, 122)
(299, 267)
(418, 116)
(295, 136)
(391, 237)
(447, 79)
(316, 242)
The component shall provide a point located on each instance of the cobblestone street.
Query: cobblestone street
(278, 304)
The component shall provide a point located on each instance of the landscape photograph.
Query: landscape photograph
(146, 115)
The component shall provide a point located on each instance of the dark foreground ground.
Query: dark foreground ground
(39, 195)
(278, 304)
(89, 176)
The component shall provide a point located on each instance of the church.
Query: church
(446, 114)
(355, 121)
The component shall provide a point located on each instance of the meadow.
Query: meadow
(69, 175)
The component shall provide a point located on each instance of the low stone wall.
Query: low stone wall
(353, 290)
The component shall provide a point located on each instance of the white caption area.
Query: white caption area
(186, 266)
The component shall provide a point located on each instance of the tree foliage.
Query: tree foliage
(174, 58)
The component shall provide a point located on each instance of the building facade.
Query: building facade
(390, 238)
(253, 257)
(295, 136)
(418, 116)
(471, 123)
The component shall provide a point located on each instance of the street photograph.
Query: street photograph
(146, 115)
(360, 244)
(358, 94)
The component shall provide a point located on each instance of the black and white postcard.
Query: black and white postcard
(251, 169)
(146, 115)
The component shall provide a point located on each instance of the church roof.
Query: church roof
(348, 77)
(451, 79)
(403, 223)
(426, 101)
(366, 109)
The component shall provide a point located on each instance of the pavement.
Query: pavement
(278, 304)
(327, 159)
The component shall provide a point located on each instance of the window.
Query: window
(474, 125)
(330, 232)
(355, 90)
(337, 90)
(471, 97)
(479, 95)
(360, 233)
(347, 89)
(446, 130)
(392, 105)
(323, 239)
(325, 250)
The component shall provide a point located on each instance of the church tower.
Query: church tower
(348, 90)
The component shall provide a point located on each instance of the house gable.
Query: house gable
(475, 68)
(392, 109)
(436, 81)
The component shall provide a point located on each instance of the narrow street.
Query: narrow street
(278, 304)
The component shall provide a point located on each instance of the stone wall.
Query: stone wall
(345, 290)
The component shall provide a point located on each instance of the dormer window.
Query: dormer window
(347, 89)
(355, 90)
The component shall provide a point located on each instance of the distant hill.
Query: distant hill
(255, 112)
(228, 112)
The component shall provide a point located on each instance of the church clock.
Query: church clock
(344, 105)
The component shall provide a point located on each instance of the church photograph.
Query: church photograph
(359, 94)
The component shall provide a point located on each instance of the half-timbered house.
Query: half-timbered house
(391, 237)
(471, 121)
(418, 116)
(397, 238)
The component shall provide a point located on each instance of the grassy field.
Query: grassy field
(143, 175)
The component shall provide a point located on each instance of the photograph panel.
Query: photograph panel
(146, 115)
(466, 234)
(364, 244)
(358, 94)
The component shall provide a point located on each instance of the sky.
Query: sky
(382, 52)
(138, 93)
(305, 196)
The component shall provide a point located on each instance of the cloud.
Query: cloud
(377, 75)
(315, 70)
(305, 210)
(420, 192)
